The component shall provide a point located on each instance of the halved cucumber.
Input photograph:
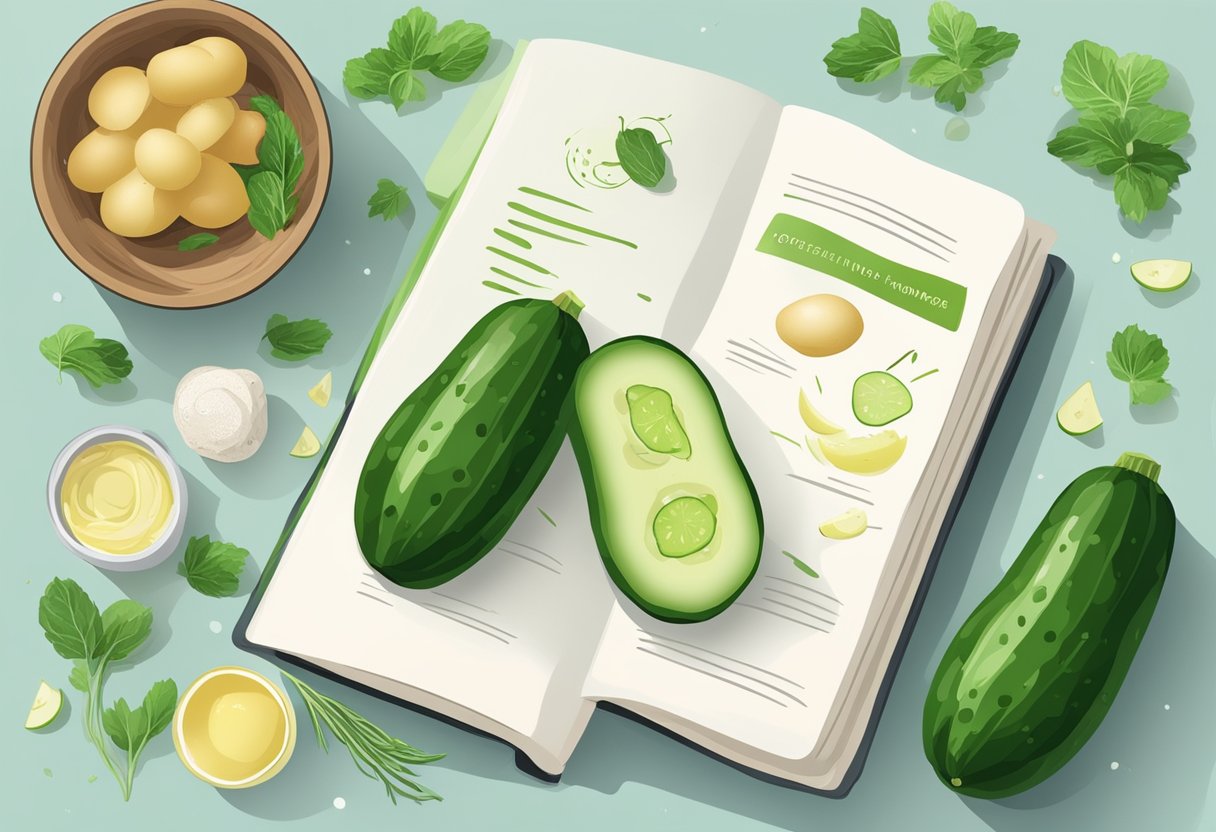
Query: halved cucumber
(1079, 414)
(1162, 275)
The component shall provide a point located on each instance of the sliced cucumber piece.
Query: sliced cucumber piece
(1079, 414)
(1162, 275)
(683, 526)
(846, 526)
(48, 702)
(879, 398)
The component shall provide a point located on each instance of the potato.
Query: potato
(157, 115)
(240, 144)
(208, 68)
(167, 160)
(216, 198)
(820, 325)
(100, 159)
(206, 121)
(133, 207)
(119, 97)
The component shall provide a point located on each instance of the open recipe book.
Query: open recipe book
(762, 205)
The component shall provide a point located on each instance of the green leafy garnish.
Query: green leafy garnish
(213, 568)
(296, 340)
(376, 754)
(1140, 359)
(1120, 132)
(966, 50)
(452, 54)
(97, 360)
(197, 241)
(802, 567)
(641, 155)
(389, 200)
(271, 184)
(870, 54)
(93, 641)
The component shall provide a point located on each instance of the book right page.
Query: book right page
(837, 346)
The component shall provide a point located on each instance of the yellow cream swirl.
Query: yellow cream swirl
(116, 497)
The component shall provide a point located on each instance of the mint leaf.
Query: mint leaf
(1157, 125)
(411, 36)
(295, 340)
(965, 51)
(159, 704)
(213, 568)
(280, 150)
(452, 54)
(870, 54)
(131, 730)
(950, 30)
(78, 677)
(197, 241)
(97, 360)
(1096, 79)
(267, 208)
(70, 620)
(1143, 178)
(389, 200)
(271, 184)
(459, 49)
(126, 624)
(125, 726)
(1140, 359)
(640, 155)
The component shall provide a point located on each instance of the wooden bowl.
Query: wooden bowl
(150, 269)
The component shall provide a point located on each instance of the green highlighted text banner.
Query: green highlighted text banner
(933, 298)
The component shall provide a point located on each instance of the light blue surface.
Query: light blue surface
(623, 775)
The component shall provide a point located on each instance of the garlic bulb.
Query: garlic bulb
(221, 413)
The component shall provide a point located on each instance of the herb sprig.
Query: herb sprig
(213, 567)
(271, 184)
(641, 154)
(375, 753)
(1120, 132)
(389, 200)
(77, 349)
(296, 340)
(1141, 359)
(451, 54)
(94, 641)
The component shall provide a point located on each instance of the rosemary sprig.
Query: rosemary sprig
(376, 754)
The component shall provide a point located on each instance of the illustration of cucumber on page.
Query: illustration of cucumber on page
(674, 512)
(463, 454)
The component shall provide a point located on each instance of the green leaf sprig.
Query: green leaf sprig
(1120, 132)
(213, 567)
(196, 241)
(389, 200)
(965, 50)
(77, 349)
(451, 54)
(296, 340)
(94, 641)
(1141, 359)
(376, 754)
(641, 155)
(271, 184)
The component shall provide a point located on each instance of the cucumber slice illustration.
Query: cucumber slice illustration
(47, 704)
(879, 398)
(683, 526)
(1079, 414)
(1162, 275)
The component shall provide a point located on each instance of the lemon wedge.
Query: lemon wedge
(47, 704)
(307, 445)
(866, 455)
(322, 390)
(815, 420)
(848, 525)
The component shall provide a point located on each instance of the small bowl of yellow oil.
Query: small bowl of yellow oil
(117, 499)
(234, 728)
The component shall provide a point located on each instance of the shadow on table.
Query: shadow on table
(324, 280)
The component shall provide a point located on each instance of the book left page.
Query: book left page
(506, 646)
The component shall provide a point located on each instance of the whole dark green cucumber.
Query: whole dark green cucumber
(1032, 672)
(463, 454)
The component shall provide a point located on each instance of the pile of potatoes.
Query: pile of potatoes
(166, 140)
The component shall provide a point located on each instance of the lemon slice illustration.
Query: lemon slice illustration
(307, 445)
(865, 455)
(813, 419)
(848, 525)
(322, 390)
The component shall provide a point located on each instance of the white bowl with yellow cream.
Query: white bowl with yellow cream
(117, 499)
(234, 728)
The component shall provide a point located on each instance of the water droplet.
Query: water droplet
(215, 626)
(1116, 257)
(703, 28)
(367, 272)
(1039, 477)
(1056, 90)
(913, 131)
(1114, 766)
(347, 242)
(339, 803)
(1167, 707)
(957, 129)
(56, 297)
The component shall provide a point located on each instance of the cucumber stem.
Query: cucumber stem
(569, 303)
(1139, 463)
